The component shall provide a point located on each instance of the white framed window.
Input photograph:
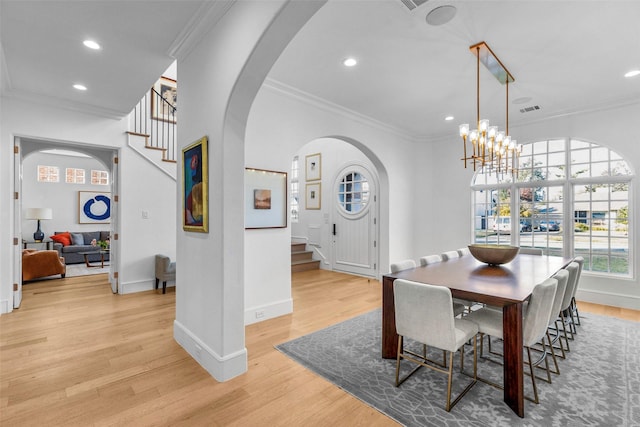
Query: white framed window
(573, 198)
(295, 189)
(74, 176)
(353, 192)
(99, 177)
(48, 173)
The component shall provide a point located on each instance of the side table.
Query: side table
(26, 243)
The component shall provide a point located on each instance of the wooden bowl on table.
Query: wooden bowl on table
(493, 254)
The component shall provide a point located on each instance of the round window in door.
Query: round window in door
(353, 193)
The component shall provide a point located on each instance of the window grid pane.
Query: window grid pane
(48, 174)
(353, 192)
(74, 176)
(597, 222)
(99, 177)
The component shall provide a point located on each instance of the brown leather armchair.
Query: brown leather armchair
(36, 264)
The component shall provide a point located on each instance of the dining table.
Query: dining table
(507, 286)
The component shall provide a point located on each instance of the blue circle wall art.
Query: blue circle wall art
(94, 207)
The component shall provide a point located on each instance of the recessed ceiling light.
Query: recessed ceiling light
(79, 87)
(441, 15)
(349, 62)
(448, 118)
(91, 44)
(632, 73)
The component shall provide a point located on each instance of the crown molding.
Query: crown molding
(205, 18)
(331, 107)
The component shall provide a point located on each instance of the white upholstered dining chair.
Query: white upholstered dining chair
(424, 313)
(405, 264)
(534, 326)
(450, 255)
(574, 306)
(430, 259)
(446, 256)
(562, 276)
(565, 308)
(463, 252)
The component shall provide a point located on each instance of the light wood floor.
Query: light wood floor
(75, 354)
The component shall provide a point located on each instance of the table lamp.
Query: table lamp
(39, 213)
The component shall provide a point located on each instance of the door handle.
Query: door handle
(334, 229)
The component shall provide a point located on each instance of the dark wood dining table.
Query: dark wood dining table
(506, 286)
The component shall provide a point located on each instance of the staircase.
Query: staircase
(302, 259)
(153, 131)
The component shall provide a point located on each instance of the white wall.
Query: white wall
(451, 226)
(140, 239)
(60, 196)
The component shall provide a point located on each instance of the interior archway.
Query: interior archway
(337, 151)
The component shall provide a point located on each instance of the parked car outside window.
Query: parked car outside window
(549, 226)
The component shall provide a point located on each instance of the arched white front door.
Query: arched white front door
(354, 225)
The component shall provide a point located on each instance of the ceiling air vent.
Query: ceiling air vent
(412, 4)
(529, 109)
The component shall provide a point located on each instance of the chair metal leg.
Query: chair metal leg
(574, 307)
(448, 407)
(157, 282)
(564, 331)
(533, 378)
(398, 359)
(164, 287)
(553, 355)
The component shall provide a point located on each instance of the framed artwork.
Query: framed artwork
(313, 167)
(94, 207)
(265, 199)
(313, 196)
(195, 191)
(168, 89)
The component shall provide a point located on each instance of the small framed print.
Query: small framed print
(313, 167)
(265, 194)
(313, 196)
(164, 100)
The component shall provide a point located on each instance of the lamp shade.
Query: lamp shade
(39, 213)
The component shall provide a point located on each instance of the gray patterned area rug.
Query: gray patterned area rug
(599, 383)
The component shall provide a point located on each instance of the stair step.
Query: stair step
(297, 247)
(301, 255)
(297, 266)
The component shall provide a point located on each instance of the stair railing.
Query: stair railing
(156, 118)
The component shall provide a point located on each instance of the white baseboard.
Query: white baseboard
(264, 312)
(141, 286)
(4, 306)
(606, 298)
(220, 368)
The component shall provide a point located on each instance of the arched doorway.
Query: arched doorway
(342, 223)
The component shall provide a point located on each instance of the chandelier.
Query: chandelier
(490, 148)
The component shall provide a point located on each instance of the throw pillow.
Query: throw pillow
(64, 238)
(77, 239)
(90, 235)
